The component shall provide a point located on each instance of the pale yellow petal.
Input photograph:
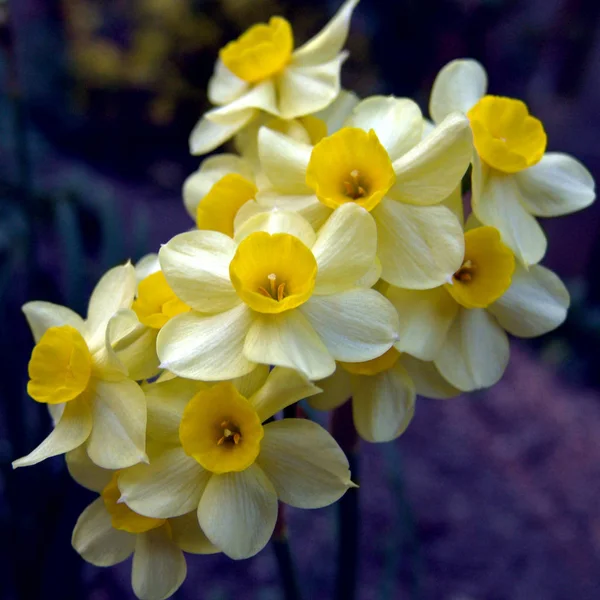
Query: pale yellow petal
(249, 384)
(43, 315)
(85, 472)
(261, 96)
(428, 381)
(147, 265)
(208, 135)
(225, 87)
(336, 390)
(188, 535)
(307, 205)
(338, 111)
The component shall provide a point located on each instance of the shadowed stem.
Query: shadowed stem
(283, 555)
(343, 430)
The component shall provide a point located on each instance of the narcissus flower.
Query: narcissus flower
(108, 532)
(461, 325)
(276, 294)
(261, 71)
(74, 368)
(221, 458)
(379, 161)
(514, 179)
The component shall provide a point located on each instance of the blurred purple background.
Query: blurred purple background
(493, 496)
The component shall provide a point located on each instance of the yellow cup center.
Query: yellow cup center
(375, 366)
(60, 366)
(261, 51)
(505, 135)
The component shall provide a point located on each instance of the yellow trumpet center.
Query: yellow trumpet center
(261, 51)
(60, 366)
(350, 166)
(375, 366)
(122, 517)
(273, 273)
(156, 302)
(221, 429)
(505, 135)
(486, 271)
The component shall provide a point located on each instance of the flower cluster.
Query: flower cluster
(330, 260)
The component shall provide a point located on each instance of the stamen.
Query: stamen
(273, 283)
(353, 187)
(465, 273)
(275, 292)
(230, 434)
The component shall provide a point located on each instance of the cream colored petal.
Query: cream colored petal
(95, 539)
(170, 486)
(398, 122)
(558, 185)
(329, 41)
(118, 437)
(196, 266)
(457, 87)
(147, 265)
(85, 472)
(355, 326)
(56, 411)
(535, 303)
(430, 172)
(419, 246)
(336, 390)
(70, 432)
(238, 512)
(383, 404)
(428, 381)
(159, 566)
(278, 221)
(288, 340)
(114, 291)
(500, 206)
(304, 463)
(282, 388)
(425, 317)
(303, 90)
(306, 205)
(43, 315)
(454, 202)
(208, 135)
(338, 111)
(371, 277)
(189, 537)
(249, 384)
(284, 161)
(345, 249)
(225, 87)
(206, 348)
(262, 96)
(247, 211)
(475, 353)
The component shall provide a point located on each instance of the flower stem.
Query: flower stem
(283, 555)
(343, 430)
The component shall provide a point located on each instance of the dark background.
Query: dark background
(493, 496)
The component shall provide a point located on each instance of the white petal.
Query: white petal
(97, 541)
(43, 315)
(196, 266)
(345, 249)
(398, 122)
(249, 384)
(430, 172)
(70, 432)
(535, 303)
(159, 566)
(304, 463)
(419, 246)
(262, 96)
(225, 87)
(355, 326)
(238, 512)
(188, 536)
(476, 351)
(85, 472)
(336, 390)
(338, 111)
(278, 221)
(454, 202)
(557, 185)
(383, 404)
(282, 388)
(118, 437)
(425, 317)
(147, 265)
(458, 86)
(500, 206)
(208, 135)
(206, 348)
(329, 41)
(171, 485)
(307, 206)
(428, 381)
(371, 277)
(114, 291)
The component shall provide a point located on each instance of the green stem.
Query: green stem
(283, 555)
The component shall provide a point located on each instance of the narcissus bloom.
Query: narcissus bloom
(379, 161)
(74, 369)
(514, 179)
(221, 458)
(261, 71)
(276, 294)
(461, 325)
(108, 532)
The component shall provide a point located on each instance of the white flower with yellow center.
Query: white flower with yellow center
(276, 294)
(261, 71)
(109, 532)
(514, 180)
(221, 458)
(379, 161)
(461, 325)
(74, 369)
